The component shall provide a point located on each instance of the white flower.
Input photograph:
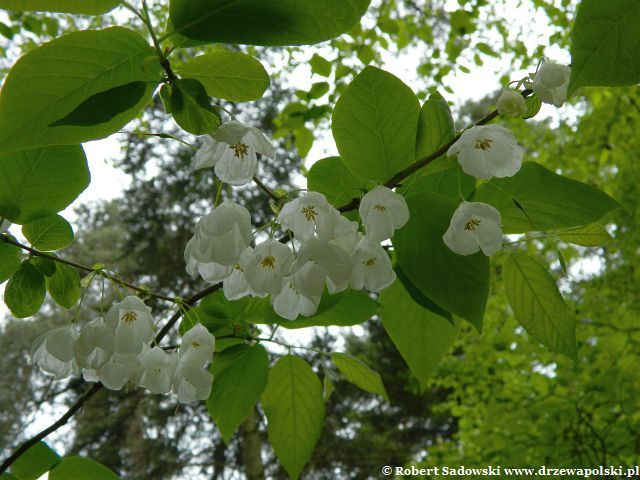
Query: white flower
(371, 267)
(118, 371)
(474, 226)
(486, 151)
(220, 237)
(382, 211)
(235, 286)
(319, 261)
(159, 368)
(307, 215)
(197, 347)
(133, 325)
(192, 384)
(552, 82)
(211, 272)
(269, 263)
(511, 104)
(290, 303)
(232, 150)
(346, 234)
(53, 351)
(94, 346)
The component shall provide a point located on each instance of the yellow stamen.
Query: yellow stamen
(309, 213)
(240, 150)
(472, 224)
(195, 344)
(483, 144)
(130, 317)
(268, 262)
(380, 208)
(371, 262)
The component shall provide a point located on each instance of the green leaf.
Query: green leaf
(256, 22)
(536, 199)
(35, 462)
(64, 285)
(48, 233)
(533, 105)
(331, 177)
(191, 107)
(348, 308)
(450, 183)
(93, 7)
(304, 139)
(435, 126)
(374, 125)
(320, 66)
(458, 284)
(419, 297)
(604, 44)
(54, 79)
(25, 291)
(538, 304)
(421, 336)
(45, 266)
(327, 386)
(78, 468)
(593, 235)
(40, 182)
(9, 260)
(294, 407)
(104, 106)
(358, 373)
(239, 378)
(230, 75)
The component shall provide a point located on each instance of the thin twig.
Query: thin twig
(266, 189)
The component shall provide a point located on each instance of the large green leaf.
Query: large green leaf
(191, 107)
(9, 260)
(64, 285)
(374, 125)
(538, 304)
(265, 22)
(233, 76)
(51, 81)
(239, 378)
(35, 462)
(25, 292)
(450, 182)
(48, 233)
(593, 235)
(294, 407)
(537, 199)
(421, 336)
(605, 44)
(78, 468)
(92, 7)
(331, 177)
(435, 127)
(458, 284)
(359, 373)
(40, 182)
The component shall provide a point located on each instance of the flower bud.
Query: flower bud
(511, 104)
(551, 83)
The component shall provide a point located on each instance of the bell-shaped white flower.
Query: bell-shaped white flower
(232, 151)
(53, 351)
(235, 286)
(211, 272)
(290, 302)
(118, 371)
(382, 211)
(346, 234)
(307, 215)
(158, 370)
(318, 261)
(474, 226)
(269, 263)
(551, 83)
(95, 344)
(133, 325)
(220, 236)
(192, 384)
(511, 104)
(371, 267)
(486, 151)
(197, 347)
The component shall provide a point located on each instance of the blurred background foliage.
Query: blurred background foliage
(497, 398)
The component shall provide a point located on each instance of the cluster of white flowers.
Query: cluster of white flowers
(487, 151)
(116, 351)
(327, 250)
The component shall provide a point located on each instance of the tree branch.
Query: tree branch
(391, 183)
(113, 278)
